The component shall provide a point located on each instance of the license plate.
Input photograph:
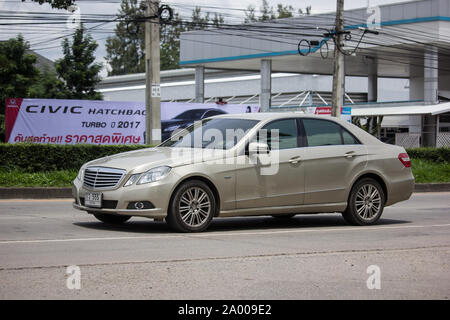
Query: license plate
(93, 199)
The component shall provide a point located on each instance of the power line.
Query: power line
(285, 31)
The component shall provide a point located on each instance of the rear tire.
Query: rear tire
(365, 203)
(111, 218)
(192, 207)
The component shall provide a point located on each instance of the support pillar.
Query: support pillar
(372, 93)
(199, 84)
(265, 98)
(372, 82)
(430, 95)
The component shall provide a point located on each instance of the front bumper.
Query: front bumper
(158, 193)
(149, 213)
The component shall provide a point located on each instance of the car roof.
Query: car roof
(362, 135)
(267, 115)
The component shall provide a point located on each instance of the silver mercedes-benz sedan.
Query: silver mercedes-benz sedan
(277, 164)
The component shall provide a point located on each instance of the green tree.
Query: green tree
(17, 70)
(217, 20)
(285, 11)
(59, 4)
(306, 11)
(48, 86)
(250, 15)
(267, 12)
(170, 43)
(77, 68)
(125, 51)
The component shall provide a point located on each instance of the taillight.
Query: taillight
(404, 158)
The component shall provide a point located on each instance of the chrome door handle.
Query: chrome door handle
(295, 160)
(350, 154)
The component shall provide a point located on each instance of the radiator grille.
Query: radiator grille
(101, 178)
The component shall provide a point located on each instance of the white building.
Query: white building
(402, 74)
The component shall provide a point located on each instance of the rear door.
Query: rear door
(332, 158)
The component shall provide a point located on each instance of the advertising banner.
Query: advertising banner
(99, 122)
(346, 112)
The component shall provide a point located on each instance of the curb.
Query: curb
(432, 187)
(52, 193)
(35, 193)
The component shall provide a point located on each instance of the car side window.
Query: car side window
(287, 134)
(322, 132)
(348, 137)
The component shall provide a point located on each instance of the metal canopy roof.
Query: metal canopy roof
(401, 110)
(406, 30)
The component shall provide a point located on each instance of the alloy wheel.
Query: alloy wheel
(194, 207)
(368, 202)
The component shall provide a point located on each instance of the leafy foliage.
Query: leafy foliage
(77, 68)
(57, 165)
(17, 73)
(58, 4)
(427, 171)
(48, 86)
(440, 155)
(18, 178)
(2, 127)
(267, 12)
(48, 157)
(17, 70)
(125, 51)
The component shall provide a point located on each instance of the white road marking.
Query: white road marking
(224, 234)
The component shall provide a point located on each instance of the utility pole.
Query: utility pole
(152, 75)
(338, 65)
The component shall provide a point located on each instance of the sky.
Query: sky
(46, 39)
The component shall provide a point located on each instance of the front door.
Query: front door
(279, 183)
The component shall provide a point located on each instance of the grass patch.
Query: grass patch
(18, 178)
(426, 171)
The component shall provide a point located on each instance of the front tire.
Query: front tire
(365, 203)
(192, 207)
(111, 218)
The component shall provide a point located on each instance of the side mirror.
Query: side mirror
(256, 148)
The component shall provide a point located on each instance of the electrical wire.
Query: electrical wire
(284, 31)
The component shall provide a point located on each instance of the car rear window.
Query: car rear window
(322, 132)
(326, 133)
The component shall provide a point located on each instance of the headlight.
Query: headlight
(154, 174)
(80, 174)
(132, 179)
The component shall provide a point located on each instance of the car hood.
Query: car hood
(145, 159)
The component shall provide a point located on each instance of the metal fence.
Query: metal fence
(443, 139)
(407, 140)
(412, 140)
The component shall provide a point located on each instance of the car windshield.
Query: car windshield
(194, 114)
(212, 134)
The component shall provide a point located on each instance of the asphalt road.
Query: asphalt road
(307, 257)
